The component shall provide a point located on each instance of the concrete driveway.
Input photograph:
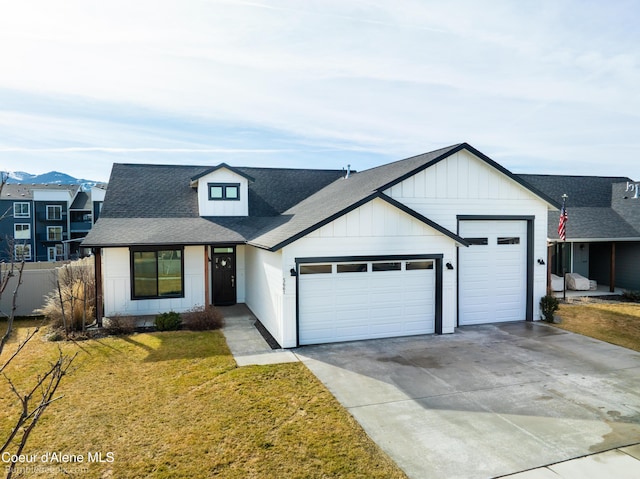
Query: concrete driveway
(487, 401)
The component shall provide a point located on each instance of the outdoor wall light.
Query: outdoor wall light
(293, 272)
(449, 266)
(540, 261)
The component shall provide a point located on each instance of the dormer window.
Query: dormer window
(224, 191)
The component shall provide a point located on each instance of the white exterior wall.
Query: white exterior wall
(48, 195)
(97, 194)
(117, 284)
(264, 292)
(209, 207)
(375, 228)
(462, 184)
(241, 283)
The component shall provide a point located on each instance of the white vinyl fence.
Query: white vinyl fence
(38, 280)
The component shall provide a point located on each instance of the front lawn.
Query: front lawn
(174, 405)
(616, 323)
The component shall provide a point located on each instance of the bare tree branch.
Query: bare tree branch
(23, 343)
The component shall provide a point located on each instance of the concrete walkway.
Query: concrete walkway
(245, 341)
(621, 463)
(249, 347)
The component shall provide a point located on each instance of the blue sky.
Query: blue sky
(539, 86)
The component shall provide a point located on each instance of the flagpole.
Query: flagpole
(563, 224)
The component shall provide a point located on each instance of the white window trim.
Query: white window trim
(28, 230)
(24, 247)
(59, 208)
(50, 228)
(22, 215)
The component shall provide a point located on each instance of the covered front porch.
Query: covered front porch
(602, 290)
(611, 264)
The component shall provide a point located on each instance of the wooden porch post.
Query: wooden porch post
(206, 276)
(549, 258)
(612, 269)
(97, 257)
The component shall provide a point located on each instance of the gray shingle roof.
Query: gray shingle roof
(582, 190)
(150, 204)
(284, 204)
(596, 206)
(340, 196)
(82, 201)
(24, 191)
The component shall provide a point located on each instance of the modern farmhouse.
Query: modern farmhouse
(416, 246)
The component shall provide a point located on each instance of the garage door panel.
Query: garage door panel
(492, 280)
(361, 305)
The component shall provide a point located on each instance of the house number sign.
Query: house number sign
(633, 187)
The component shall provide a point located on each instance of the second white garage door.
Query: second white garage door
(364, 300)
(493, 272)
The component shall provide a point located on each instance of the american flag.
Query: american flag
(562, 224)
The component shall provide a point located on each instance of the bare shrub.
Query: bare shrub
(120, 325)
(202, 318)
(71, 304)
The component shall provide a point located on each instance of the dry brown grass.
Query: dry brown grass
(616, 323)
(174, 405)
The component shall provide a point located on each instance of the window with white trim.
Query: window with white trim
(22, 231)
(54, 233)
(21, 210)
(22, 252)
(54, 212)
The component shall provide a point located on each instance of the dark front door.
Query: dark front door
(224, 276)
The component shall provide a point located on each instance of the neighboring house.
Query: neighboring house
(45, 222)
(417, 246)
(603, 228)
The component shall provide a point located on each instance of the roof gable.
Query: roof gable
(292, 228)
(430, 159)
(237, 171)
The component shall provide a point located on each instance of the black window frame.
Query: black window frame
(224, 187)
(479, 241)
(156, 250)
(508, 240)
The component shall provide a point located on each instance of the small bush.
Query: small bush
(56, 335)
(170, 321)
(549, 304)
(203, 318)
(633, 296)
(118, 325)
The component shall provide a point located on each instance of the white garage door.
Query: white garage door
(365, 300)
(493, 272)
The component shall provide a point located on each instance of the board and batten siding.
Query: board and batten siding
(117, 285)
(209, 207)
(373, 229)
(463, 184)
(264, 292)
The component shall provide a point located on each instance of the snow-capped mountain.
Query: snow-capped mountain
(51, 178)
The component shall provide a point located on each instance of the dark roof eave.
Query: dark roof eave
(223, 165)
(162, 243)
(357, 204)
(320, 224)
(424, 219)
